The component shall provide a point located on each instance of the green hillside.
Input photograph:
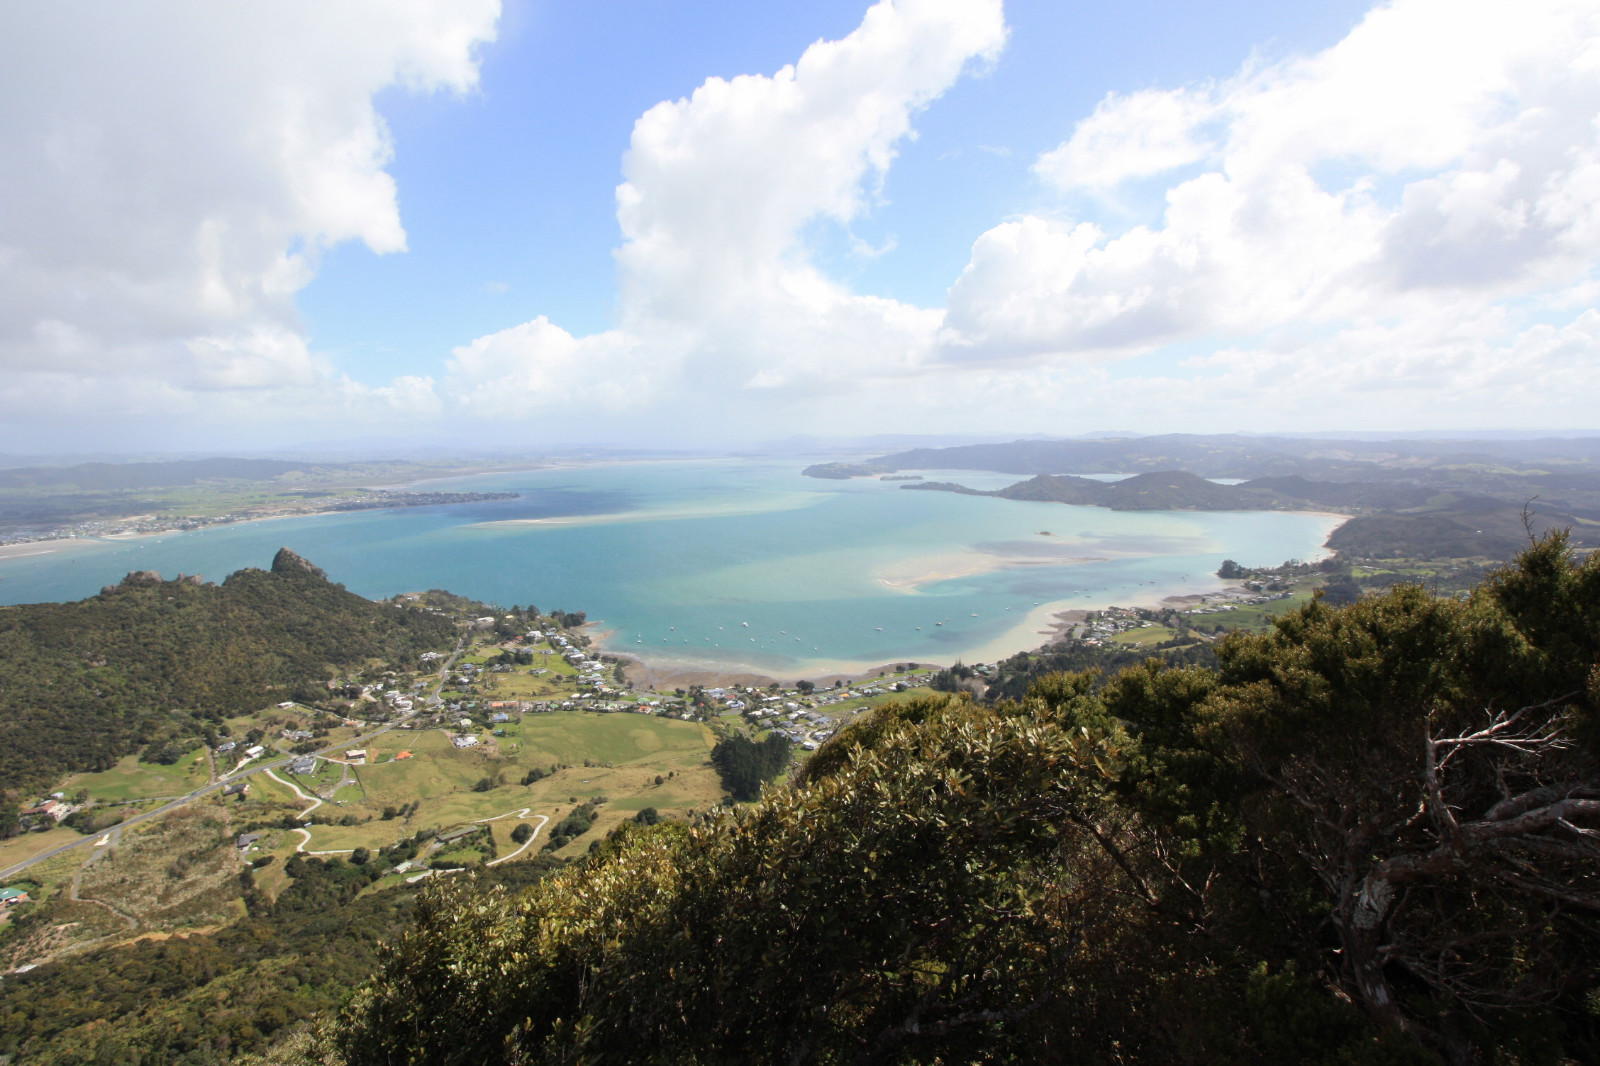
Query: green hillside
(83, 684)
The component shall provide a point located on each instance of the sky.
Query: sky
(662, 223)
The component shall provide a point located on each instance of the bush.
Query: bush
(744, 765)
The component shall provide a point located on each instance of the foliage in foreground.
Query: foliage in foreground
(1367, 837)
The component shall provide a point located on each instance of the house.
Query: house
(238, 788)
(305, 765)
(246, 839)
(11, 897)
(226, 746)
(356, 756)
(254, 750)
(402, 755)
(500, 716)
(464, 740)
(54, 808)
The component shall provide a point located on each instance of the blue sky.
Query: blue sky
(513, 185)
(708, 224)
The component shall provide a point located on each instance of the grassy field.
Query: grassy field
(28, 845)
(523, 684)
(131, 779)
(1143, 636)
(1256, 618)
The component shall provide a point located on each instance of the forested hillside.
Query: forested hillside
(1367, 836)
(82, 684)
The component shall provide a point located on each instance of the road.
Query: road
(239, 775)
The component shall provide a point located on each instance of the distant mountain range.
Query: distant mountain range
(1229, 456)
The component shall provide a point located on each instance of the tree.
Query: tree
(744, 765)
(10, 820)
(522, 832)
(1341, 589)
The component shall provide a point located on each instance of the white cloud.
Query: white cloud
(717, 289)
(1134, 136)
(172, 172)
(1401, 229)
(1407, 199)
(1443, 155)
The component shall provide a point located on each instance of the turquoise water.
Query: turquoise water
(732, 563)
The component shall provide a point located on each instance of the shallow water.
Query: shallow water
(733, 563)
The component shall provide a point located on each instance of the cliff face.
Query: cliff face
(288, 561)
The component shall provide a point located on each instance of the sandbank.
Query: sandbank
(909, 575)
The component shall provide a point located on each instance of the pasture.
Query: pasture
(131, 779)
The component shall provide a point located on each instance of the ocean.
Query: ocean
(732, 564)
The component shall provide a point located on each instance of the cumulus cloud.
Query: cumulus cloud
(1441, 158)
(717, 289)
(1402, 227)
(173, 171)
(1412, 199)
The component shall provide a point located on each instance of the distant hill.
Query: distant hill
(1237, 456)
(1164, 490)
(844, 471)
(1342, 494)
(83, 684)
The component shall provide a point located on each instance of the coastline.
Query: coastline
(1036, 628)
(1039, 626)
(24, 548)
